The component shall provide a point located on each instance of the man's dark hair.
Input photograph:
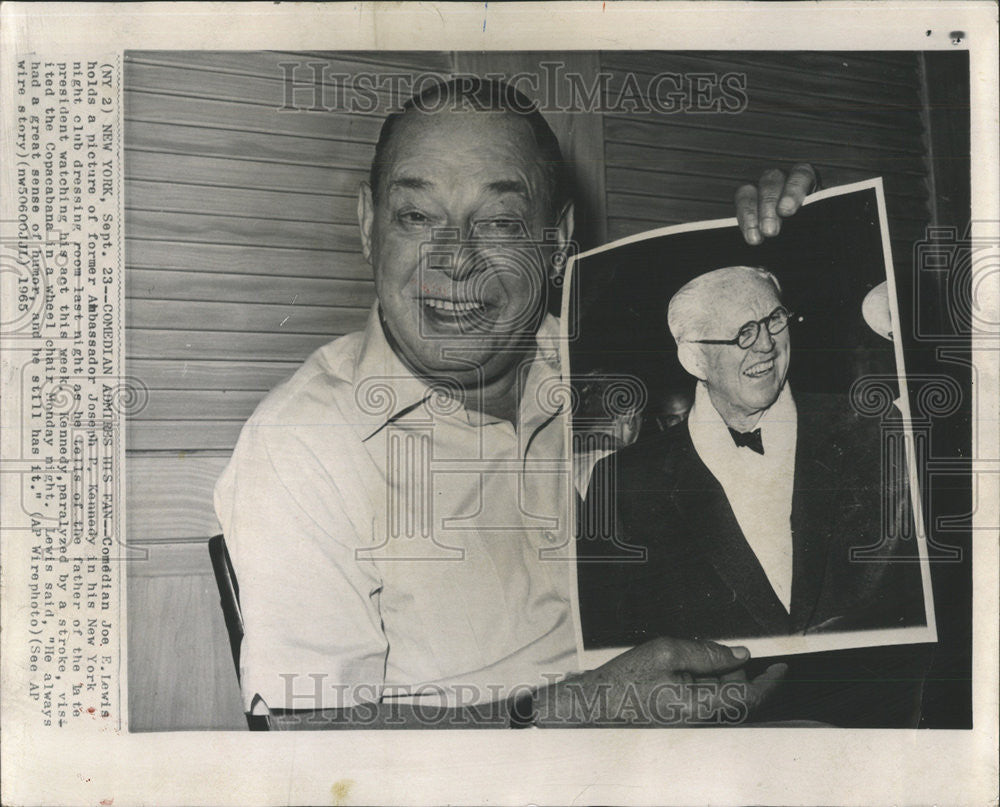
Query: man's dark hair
(472, 93)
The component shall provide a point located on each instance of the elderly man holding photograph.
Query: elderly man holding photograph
(397, 511)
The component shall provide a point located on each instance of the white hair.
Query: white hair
(690, 312)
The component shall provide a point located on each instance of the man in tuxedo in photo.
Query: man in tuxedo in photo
(752, 515)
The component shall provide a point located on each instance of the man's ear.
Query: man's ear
(691, 357)
(366, 218)
(564, 232)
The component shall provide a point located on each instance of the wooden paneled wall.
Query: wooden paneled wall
(243, 255)
(853, 116)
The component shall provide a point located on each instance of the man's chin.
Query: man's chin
(458, 361)
(760, 394)
(760, 403)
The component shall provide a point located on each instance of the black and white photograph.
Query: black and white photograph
(718, 503)
(372, 473)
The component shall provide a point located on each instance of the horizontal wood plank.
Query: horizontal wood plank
(666, 209)
(860, 66)
(816, 82)
(175, 197)
(175, 374)
(670, 99)
(205, 229)
(243, 317)
(182, 435)
(903, 235)
(652, 181)
(186, 405)
(267, 64)
(741, 145)
(235, 172)
(260, 146)
(159, 284)
(168, 498)
(177, 557)
(877, 119)
(872, 67)
(245, 260)
(647, 206)
(768, 124)
(263, 118)
(270, 92)
(421, 60)
(221, 345)
(735, 168)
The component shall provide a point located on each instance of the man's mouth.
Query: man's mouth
(457, 306)
(760, 369)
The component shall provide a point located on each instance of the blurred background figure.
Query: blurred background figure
(670, 408)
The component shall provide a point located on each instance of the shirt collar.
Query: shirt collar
(705, 421)
(386, 390)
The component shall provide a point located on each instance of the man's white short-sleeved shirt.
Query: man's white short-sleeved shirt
(388, 541)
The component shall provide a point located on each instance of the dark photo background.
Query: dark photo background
(827, 258)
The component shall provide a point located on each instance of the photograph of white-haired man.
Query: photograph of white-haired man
(748, 510)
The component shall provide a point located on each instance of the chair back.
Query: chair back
(229, 599)
(229, 595)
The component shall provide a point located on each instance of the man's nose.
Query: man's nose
(470, 260)
(452, 255)
(764, 342)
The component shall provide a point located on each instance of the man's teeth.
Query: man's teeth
(760, 369)
(453, 305)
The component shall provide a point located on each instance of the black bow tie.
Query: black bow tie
(749, 440)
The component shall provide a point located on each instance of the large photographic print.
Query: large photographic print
(741, 439)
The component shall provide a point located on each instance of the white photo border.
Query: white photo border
(763, 647)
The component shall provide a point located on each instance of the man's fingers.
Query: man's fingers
(799, 184)
(764, 685)
(734, 677)
(700, 658)
(760, 208)
(769, 191)
(746, 213)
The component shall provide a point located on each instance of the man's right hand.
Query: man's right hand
(776, 196)
(664, 682)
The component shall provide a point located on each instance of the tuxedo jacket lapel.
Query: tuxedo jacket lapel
(814, 509)
(702, 503)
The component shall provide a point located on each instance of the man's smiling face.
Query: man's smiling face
(478, 174)
(743, 383)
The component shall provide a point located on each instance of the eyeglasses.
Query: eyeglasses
(776, 322)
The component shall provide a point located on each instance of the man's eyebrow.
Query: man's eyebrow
(508, 186)
(413, 183)
(499, 186)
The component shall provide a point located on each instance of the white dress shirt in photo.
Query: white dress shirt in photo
(758, 486)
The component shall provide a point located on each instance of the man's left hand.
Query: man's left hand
(760, 207)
